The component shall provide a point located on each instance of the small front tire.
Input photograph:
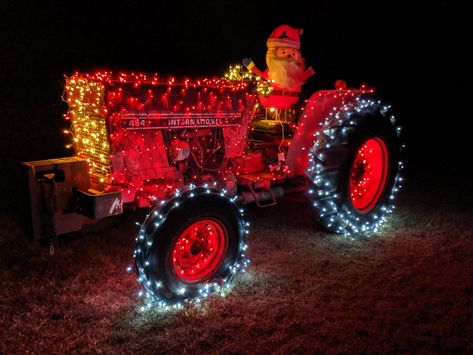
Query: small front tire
(190, 246)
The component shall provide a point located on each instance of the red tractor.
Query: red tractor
(194, 152)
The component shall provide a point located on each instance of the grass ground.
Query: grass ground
(408, 289)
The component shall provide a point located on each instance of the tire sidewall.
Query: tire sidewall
(164, 238)
(332, 157)
(373, 125)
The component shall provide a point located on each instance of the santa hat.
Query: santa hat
(285, 36)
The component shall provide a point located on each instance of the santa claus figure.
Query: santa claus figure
(286, 68)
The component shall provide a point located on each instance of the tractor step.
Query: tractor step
(260, 190)
(274, 178)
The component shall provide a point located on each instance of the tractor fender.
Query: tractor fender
(313, 115)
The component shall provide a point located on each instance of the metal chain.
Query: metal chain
(48, 197)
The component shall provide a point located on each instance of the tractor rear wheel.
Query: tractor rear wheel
(354, 168)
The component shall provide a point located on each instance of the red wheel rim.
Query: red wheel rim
(368, 174)
(199, 251)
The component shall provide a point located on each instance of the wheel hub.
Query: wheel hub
(199, 251)
(368, 174)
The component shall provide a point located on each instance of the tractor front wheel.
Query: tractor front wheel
(190, 246)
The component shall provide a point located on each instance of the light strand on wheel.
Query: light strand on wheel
(152, 299)
(323, 195)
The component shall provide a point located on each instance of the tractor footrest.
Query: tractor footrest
(274, 178)
(259, 186)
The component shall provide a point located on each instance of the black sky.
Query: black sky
(418, 56)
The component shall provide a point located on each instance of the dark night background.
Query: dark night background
(409, 289)
(417, 56)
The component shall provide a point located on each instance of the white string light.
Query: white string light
(324, 197)
(152, 295)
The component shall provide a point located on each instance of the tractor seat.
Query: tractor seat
(270, 130)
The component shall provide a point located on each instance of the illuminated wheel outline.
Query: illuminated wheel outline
(336, 146)
(199, 251)
(368, 174)
(162, 229)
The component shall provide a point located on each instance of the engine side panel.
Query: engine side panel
(145, 134)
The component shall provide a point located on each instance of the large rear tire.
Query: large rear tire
(190, 246)
(354, 168)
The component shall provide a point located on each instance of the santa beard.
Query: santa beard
(286, 72)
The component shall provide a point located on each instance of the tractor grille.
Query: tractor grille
(85, 98)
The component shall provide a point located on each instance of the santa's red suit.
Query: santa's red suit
(286, 68)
